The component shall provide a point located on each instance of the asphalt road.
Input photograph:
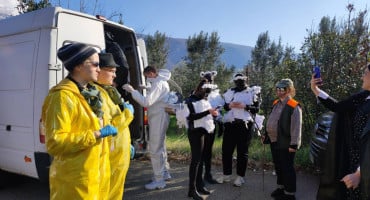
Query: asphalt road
(140, 173)
(15, 187)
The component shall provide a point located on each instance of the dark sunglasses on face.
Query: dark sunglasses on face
(280, 89)
(96, 64)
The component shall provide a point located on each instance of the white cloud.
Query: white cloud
(8, 8)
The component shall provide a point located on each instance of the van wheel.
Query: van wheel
(9, 179)
(2, 178)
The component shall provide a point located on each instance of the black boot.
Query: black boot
(195, 195)
(208, 177)
(277, 192)
(203, 190)
(285, 197)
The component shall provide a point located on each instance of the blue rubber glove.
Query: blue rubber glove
(132, 152)
(108, 130)
(130, 107)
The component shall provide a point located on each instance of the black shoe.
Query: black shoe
(203, 190)
(195, 195)
(277, 192)
(285, 197)
(209, 179)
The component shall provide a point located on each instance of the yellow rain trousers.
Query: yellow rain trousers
(119, 144)
(80, 166)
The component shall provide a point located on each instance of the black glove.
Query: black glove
(266, 139)
(220, 130)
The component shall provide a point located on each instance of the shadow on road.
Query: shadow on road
(140, 173)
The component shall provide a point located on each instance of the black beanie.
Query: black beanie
(74, 54)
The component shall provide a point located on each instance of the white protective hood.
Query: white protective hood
(164, 74)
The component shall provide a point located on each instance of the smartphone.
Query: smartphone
(317, 72)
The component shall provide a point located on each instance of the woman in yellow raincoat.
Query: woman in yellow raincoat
(120, 115)
(72, 117)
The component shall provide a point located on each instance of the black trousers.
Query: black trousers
(239, 136)
(209, 139)
(284, 167)
(196, 140)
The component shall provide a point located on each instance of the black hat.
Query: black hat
(106, 60)
(74, 54)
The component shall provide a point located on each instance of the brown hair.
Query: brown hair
(199, 91)
(150, 69)
(292, 91)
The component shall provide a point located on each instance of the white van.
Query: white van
(30, 67)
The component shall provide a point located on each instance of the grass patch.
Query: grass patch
(179, 149)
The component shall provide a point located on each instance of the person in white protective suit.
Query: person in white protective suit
(156, 102)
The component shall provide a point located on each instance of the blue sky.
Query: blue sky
(236, 21)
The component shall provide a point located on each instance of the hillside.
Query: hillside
(237, 55)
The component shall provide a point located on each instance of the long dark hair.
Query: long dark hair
(149, 68)
(199, 91)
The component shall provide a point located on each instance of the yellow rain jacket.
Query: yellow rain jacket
(119, 145)
(80, 166)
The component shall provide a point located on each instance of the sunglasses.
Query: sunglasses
(280, 89)
(96, 64)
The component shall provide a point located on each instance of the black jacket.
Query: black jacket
(364, 157)
(337, 157)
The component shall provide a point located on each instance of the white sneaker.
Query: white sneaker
(155, 185)
(239, 181)
(224, 179)
(167, 176)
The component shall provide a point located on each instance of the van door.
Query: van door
(18, 55)
(122, 43)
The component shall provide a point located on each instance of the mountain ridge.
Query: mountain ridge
(234, 55)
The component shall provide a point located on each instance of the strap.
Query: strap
(192, 111)
(191, 107)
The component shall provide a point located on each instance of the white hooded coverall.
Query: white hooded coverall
(155, 101)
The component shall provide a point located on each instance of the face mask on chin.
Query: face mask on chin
(150, 79)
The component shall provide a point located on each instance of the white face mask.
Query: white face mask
(150, 79)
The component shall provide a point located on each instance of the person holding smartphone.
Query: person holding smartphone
(341, 167)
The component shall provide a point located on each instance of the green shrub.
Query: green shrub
(178, 146)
